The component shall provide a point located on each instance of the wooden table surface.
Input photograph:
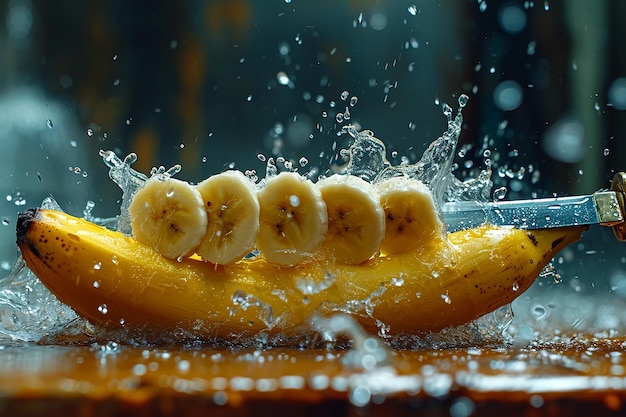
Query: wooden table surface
(572, 376)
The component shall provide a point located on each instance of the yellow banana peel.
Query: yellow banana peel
(114, 281)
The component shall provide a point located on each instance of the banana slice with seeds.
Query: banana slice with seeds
(410, 215)
(293, 219)
(356, 220)
(167, 214)
(232, 208)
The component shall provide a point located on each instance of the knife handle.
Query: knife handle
(619, 186)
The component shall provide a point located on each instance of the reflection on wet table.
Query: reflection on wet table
(566, 376)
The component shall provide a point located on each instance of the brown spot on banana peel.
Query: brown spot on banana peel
(448, 282)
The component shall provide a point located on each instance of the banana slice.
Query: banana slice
(293, 219)
(410, 215)
(232, 210)
(356, 220)
(168, 215)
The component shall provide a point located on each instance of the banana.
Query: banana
(410, 215)
(451, 281)
(232, 209)
(293, 219)
(167, 214)
(356, 223)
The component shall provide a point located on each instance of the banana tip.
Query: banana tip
(24, 220)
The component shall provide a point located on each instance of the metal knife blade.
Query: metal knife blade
(599, 208)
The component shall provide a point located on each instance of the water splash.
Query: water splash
(127, 179)
(368, 160)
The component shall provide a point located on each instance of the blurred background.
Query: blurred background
(219, 84)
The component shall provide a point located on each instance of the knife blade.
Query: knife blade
(602, 208)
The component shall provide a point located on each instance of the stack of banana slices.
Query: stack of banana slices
(288, 220)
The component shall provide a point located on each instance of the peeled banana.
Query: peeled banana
(115, 280)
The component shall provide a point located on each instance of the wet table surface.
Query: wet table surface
(570, 376)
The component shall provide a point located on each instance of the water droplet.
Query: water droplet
(294, 200)
(508, 95)
(617, 93)
(339, 117)
(345, 95)
(5, 221)
(283, 79)
(283, 48)
(73, 143)
(96, 284)
(249, 98)
(546, 5)
(606, 152)
(49, 123)
(512, 18)
(360, 396)
(446, 298)
(463, 99)
(116, 82)
(515, 287)
(261, 157)
(97, 265)
(539, 312)
(303, 161)
(412, 10)
(499, 193)
(103, 309)
(397, 281)
(90, 132)
(462, 407)
(483, 6)
(353, 101)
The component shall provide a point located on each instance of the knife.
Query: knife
(606, 208)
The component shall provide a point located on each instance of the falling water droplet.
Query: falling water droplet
(49, 123)
(282, 78)
(103, 309)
